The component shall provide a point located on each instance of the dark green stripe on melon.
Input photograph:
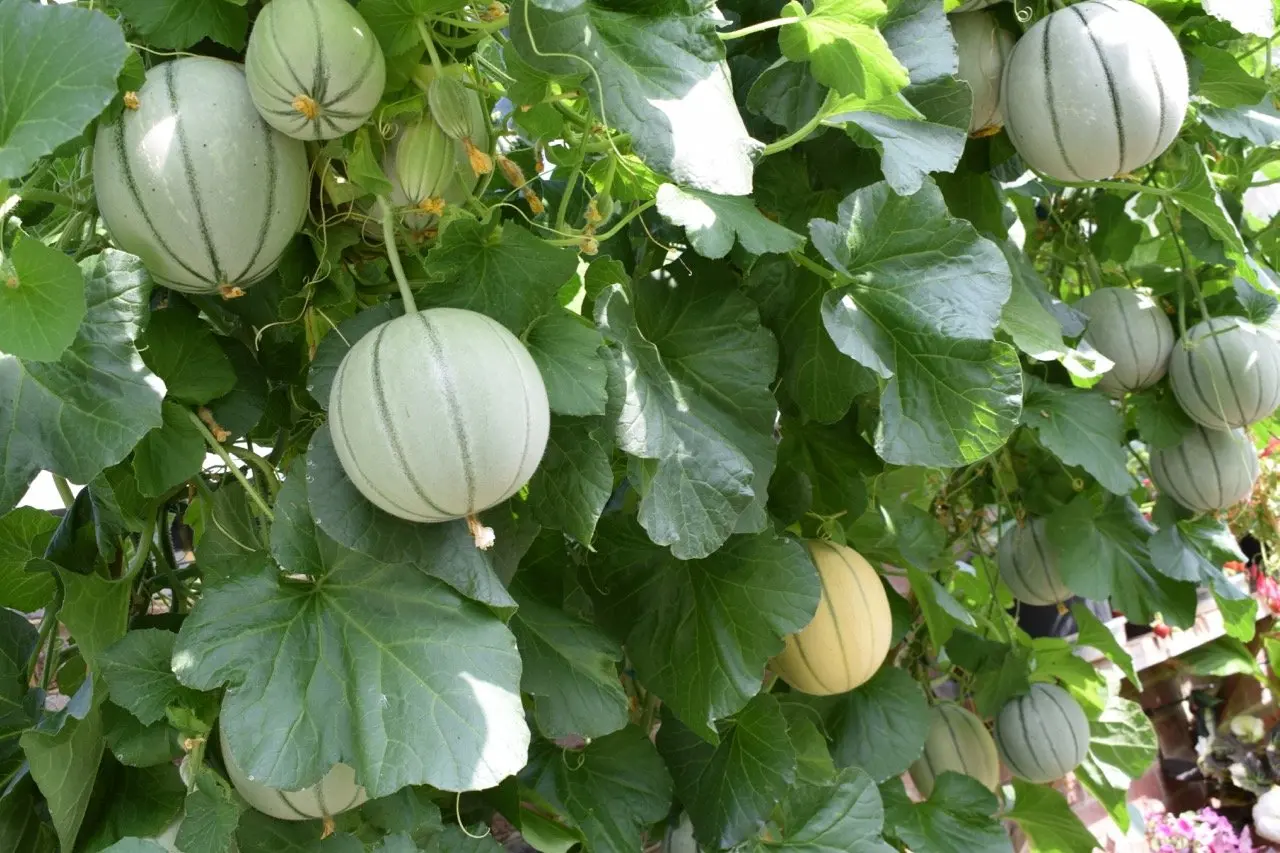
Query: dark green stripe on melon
(1111, 87)
(1047, 59)
(453, 410)
(188, 169)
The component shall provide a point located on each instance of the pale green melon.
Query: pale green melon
(337, 792)
(957, 742)
(438, 415)
(1130, 329)
(1042, 735)
(982, 46)
(1226, 373)
(315, 69)
(1028, 566)
(1208, 470)
(1094, 90)
(195, 183)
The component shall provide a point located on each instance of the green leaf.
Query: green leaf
(958, 817)
(1102, 548)
(394, 21)
(1259, 124)
(509, 274)
(1194, 192)
(1239, 616)
(819, 378)
(135, 845)
(693, 368)
(65, 766)
(1160, 420)
(446, 552)
(574, 480)
(182, 350)
(787, 94)
(1091, 632)
(845, 817)
(840, 41)
(1080, 428)
(998, 684)
(814, 765)
(170, 454)
(179, 24)
(1027, 317)
(1194, 549)
(95, 611)
(144, 802)
(881, 726)
(712, 221)
(1220, 658)
(921, 130)
(211, 816)
(99, 393)
(612, 790)
(699, 633)
(570, 668)
(136, 745)
(405, 660)
(258, 833)
(26, 580)
(1046, 818)
(1122, 747)
(729, 789)
(1223, 82)
(139, 676)
(660, 78)
(49, 103)
(926, 299)
(231, 543)
(835, 460)
(41, 301)
(927, 591)
(919, 34)
(567, 352)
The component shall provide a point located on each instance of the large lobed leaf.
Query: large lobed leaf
(921, 311)
(86, 411)
(342, 657)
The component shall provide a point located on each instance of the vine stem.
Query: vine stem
(1187, 272)
(265, 468)
(139, 557)
(48, 624)
(632, 214)
(64, 490)
(793, 139)
(427, 40)
(812, 266)
(217, 448)
(757, 28)
(393, 255)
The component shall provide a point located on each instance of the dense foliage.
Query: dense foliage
(775, 291)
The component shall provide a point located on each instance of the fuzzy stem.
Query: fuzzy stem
(231, 465)
(64, 490)
(425, 33)
(758, 28)
(393, 255)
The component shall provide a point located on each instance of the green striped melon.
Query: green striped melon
(848, 638)
(336, 793)
(439, 414)
(1209, 469)
(1027, 564)
(1094, 90)
(315, 69)
(957, 742)
(1042, 735)
(1130, 329)
(1226, 373)
(982, 45)
(195, 182)
(428, 168)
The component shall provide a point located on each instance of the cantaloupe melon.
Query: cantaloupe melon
(982, 46)
(337, 792)
(315, 69)
(1226, 373)
(195, 183)
(1095, 90)
(848, 638)
(1042, 735)
(439, 414)
(1208, 470)
(1129, 328)
(957, 742)
(1027, 564)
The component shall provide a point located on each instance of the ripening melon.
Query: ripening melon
(439, 414)
(314, 67)
(1042, 735)
(1094, 90)
(848, 638)
(957, 742)
(1209, 469)
(337, 792)
(982, 46)
(1130, 329)
(1027, 564)
(195, 183)
(1226, 373)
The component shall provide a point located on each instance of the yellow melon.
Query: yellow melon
(848, 638)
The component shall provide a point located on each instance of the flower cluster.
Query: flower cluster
(1204, 831)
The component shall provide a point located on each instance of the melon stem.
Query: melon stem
(483, 536)
(393, 255)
